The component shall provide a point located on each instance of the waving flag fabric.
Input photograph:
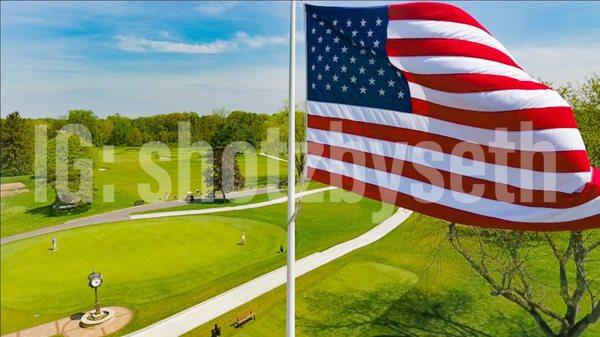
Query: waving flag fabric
(419, 105)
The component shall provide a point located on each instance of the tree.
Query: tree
(224, 175)
(134, 138)
(16, 146)
(208, 126)
(88, 119)
(585, 100)
(78, 179)
(280, 120)
(106, 130)
(121, 128)
(508, 261)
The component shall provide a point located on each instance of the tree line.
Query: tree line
(218, 128)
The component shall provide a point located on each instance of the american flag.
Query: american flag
(418, 105)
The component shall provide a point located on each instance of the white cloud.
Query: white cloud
(214, 8)
(138, 44)
(258, 41)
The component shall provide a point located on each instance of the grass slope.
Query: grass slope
(349, 282)
(447, 300)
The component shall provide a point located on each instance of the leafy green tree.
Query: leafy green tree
(16, 145)
(242, 126)
(88, 119)
(79, 179)
(585, 100)
(106, 130)
(121, 129)
(224, 175)
(134, 138)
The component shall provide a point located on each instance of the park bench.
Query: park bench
(244, 318)
(63, 207)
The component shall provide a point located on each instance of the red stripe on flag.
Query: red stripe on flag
(491, 190)
(432, 11)
(446, 47)
(565, 161)
(511, 120)
(466, 83)
(443, 212)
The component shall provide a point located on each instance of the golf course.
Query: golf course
(160, 266)
(20, 213)
(409, 283)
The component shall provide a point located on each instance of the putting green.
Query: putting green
(140, 261)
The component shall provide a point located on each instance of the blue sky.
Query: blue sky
(138, 58)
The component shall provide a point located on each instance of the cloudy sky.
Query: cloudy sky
(137, 58)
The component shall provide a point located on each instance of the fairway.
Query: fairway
(140, 262)
(20, 213)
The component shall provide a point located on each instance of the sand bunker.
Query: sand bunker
(9, 189)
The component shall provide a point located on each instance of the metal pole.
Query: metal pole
(97, 303)
(291, 230)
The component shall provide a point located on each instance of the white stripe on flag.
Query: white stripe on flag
(456, 65)
(564, 139)
(429, 29)
(449, 198)
(521, 178)
(490, 101)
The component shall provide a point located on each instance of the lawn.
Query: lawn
(422, 288)
(20, 213)
(161, 266)
(354, 280)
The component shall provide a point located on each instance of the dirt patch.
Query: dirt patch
(9, 189)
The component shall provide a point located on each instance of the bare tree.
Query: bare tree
(564, 302)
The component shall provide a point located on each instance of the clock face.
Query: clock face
(95, 282)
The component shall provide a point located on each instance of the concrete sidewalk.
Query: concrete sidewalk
(227, 208)
(207, 311)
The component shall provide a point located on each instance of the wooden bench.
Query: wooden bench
(244, 318)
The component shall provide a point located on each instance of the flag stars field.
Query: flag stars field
(353, 73)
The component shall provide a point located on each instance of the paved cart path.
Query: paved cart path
(227, 208)
(125, 214)
(207, 311)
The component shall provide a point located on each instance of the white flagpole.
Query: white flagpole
(291, 230)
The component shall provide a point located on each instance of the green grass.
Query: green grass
(410, 283)
(237, 202)
(20, 213)
(220, 203)
(146, 261)
(159, 267)
(437, 294)
(349, 282)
